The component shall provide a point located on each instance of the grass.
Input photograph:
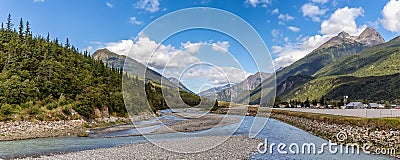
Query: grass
(373, 123)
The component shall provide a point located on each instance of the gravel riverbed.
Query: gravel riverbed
(235, 147)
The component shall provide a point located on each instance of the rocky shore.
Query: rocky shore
(41, 129)
(19, 130)
(235, 147)
(354, 134)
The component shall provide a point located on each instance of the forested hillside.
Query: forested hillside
(40, 76)
(43, 79)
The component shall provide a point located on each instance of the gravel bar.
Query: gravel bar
(235, 147)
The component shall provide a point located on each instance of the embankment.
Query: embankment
(378, 132)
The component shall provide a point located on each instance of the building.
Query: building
(354, 105)
(373, 105)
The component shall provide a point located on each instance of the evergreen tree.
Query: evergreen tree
(9, 23)
(21, 29)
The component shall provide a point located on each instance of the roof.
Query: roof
(373, 104)
(354, 104)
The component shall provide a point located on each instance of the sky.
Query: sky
(290, 29)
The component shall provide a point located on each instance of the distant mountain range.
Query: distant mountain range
(132, 66)
(356, 66)
(236, 92)
(362, 67)
(215, 90)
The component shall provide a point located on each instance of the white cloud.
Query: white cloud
(217, 75)
(122, 47)
(220, 46)
(285, 17)
(391, 16)
(165, 56)
(148, 5)
(275, 11)
(254, 3)
(319, 1)
(343, 19)
(133, 20)
(310, 10)
(191, 47)
(38, 1)
(89, 48)
(276, 35)
(292, 52)
(109, 5)
(294, 29)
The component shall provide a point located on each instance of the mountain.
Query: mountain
(372, 62)
(179, 84)
(213, 91)
(373, 74)
(132, 66)
(238, 91)
(331, 51)
(337, 47)
(291, 83)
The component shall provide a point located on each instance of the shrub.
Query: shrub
(6, 109)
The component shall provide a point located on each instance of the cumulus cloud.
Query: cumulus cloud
(391, 16)
(294, 29)
(217, 75)
(38, 1)
(89, 48)
(285, 17)
(220, 46)
(133, 20)
(159, 56)
(319, 1)
(254, 3)
(292, 52)
(109, 5)
(148, 5)
(275, 11)
(343, 19)
(312, 11)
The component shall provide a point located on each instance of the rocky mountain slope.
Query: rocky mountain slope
(361, 56)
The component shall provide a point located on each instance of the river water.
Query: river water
(275, 131)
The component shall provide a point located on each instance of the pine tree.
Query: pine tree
(21, 29)
(9, 23)
(67, 45)
(48, 37)
(28, 30)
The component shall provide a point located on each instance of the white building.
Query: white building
(354, 105)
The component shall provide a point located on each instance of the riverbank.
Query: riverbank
(19, 130)
(380, 132)
(235, 147)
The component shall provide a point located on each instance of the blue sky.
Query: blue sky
(289, 28)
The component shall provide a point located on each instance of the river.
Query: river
(275, 131)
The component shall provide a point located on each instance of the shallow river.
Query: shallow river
(275, 131)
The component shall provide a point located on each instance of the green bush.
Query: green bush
(67, 111)
(6, 109)
(35, 110)
(83, 110)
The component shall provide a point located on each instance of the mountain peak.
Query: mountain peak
(343, 34)
(370, 37)
(104, 54)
